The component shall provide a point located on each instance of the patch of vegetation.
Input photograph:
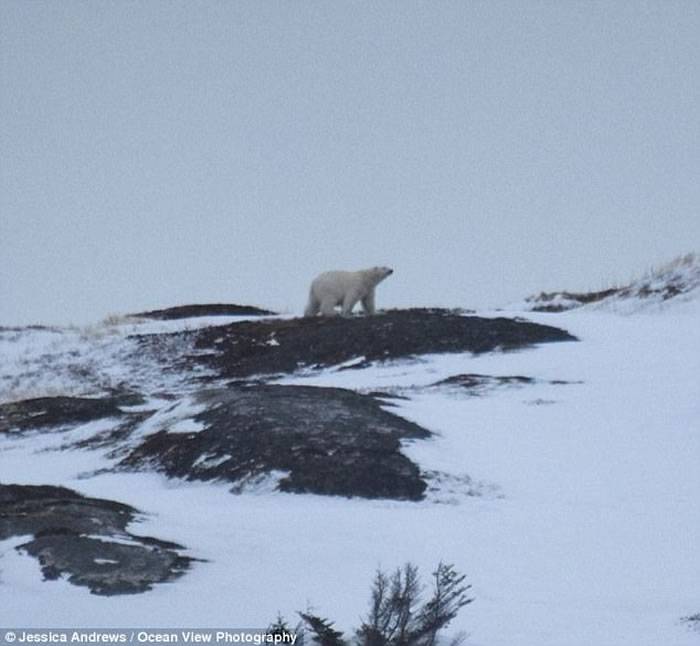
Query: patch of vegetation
(398, 615)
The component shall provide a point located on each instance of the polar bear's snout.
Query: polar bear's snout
(345, 288)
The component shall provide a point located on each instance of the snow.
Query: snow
(173, 417)
(572, 508)
(44, 362)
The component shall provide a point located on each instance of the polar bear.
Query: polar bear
(345, 288)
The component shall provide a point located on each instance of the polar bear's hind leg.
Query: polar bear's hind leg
(328, 307)
(349, 302)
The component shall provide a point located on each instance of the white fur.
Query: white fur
(345, 288)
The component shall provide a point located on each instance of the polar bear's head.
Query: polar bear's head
(378, 274)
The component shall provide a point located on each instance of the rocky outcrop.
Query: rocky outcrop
(317, 440)
(213, 309)
(274, 346)
(563, 301)
(41, 412)
(86, 540)
(471, 381)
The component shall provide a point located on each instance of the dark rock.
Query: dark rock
(474, 380)
(215, 309)
(86, 540)
(478, 382)
(275, 346)
(383, 396)
(327, 440)
(57, 411)
(554, 301)
(22, 328)
(38, 509)
(106, 568)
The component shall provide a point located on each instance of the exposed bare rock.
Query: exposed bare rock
(57, 411)
(213, 309)
(85, 540)
(320, 440)
(273, 346)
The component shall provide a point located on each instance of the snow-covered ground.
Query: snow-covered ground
(584, 530)
(90, 360)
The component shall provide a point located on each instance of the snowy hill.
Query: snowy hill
(261, 464)
(672, 285)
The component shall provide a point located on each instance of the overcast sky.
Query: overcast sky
(156, 153)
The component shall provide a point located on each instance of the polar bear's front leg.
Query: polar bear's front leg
(350, 301)
(368, 303)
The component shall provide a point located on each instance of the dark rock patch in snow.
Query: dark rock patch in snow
(85, 540)
(296, 438)
(562, 301)
(318, 440)
(276, 346)
(23, 328)
(57, 411)
(478, 383)
(693, 621)
(474, 380)
(214, 309)
(387, 398)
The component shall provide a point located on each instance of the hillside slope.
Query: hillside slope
(560, 477)
(675, 284)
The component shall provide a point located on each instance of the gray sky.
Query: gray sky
(156, 153)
